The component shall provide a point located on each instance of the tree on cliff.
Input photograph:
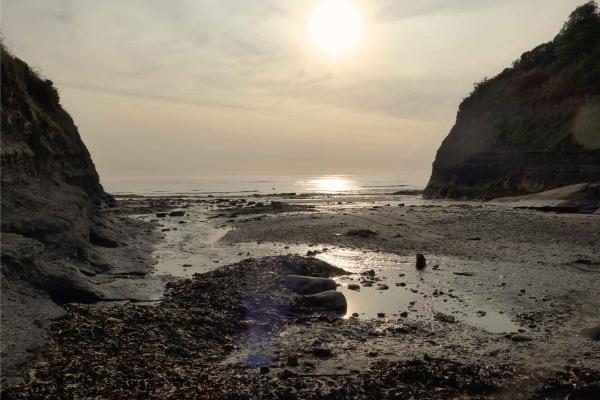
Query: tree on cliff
(578, 44)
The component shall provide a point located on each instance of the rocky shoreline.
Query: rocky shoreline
(247, 327)
(177, 349)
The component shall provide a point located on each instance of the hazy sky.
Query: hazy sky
(218, 87)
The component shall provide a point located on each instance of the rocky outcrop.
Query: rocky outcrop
(579, 198)
(534, 127)
(51, 193)
(56, 236)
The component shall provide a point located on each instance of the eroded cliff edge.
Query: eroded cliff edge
(61, 239)
(534, 127)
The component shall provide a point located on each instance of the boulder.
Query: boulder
(421, 261)
(309, 284)
(330, 300)
(592, 332)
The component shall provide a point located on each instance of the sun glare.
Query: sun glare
(330, 184)
(335, 27)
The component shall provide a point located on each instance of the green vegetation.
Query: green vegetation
(536, 104)
(38, 93)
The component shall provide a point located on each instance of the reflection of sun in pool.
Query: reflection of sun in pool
(335, 27)
(331, 184)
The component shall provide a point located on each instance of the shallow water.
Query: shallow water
(195, 247)
(422, 294)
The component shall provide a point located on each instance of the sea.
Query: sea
(309, 184)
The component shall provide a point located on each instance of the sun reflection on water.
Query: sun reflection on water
(330, 184)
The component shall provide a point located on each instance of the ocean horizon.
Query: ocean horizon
(240, 185)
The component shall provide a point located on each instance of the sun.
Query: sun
(335, 27)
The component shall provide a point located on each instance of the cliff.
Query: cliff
(58, 243)
(51, 192)
(534, 127)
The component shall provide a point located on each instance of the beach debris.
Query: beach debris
(464, 273)
(421, 262)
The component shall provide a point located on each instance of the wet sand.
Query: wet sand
(496, 270)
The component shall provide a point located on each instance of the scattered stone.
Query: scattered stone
(292, 361)
(354, 286)
(264, 370)
(363, 233)
(520, 337)
(322, 352)
(161, 214)
(381, 315)
(444, 318)
(382, 286)
(177, 213)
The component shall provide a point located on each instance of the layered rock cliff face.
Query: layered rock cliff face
(534, 127)
(56, 237)
(50, 187)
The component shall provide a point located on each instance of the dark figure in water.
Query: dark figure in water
(421, 262)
